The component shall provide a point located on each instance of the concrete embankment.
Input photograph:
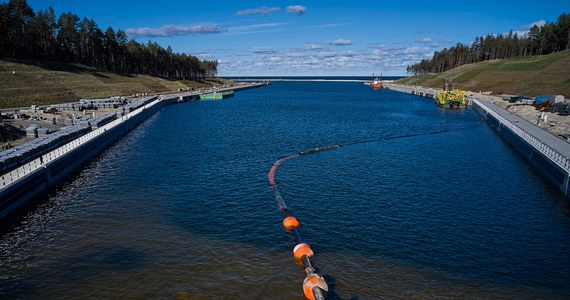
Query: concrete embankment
(31, 179)
(546, 152)
(41, 172)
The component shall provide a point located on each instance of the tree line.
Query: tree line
(29, 35)
(546, 39)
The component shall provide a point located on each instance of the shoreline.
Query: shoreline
(36, 115)
(543, 149)
(40, 167)
(554, 124)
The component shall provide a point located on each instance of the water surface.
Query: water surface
(181, 207)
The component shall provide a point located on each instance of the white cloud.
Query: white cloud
(325, 53)
(416, 50)
(431, 43)
(171, 30)
(340, 42)
(264, 11)
(318, 59)
(311, 47)
(203, 55)
(425, 40)
(263, 50)
(537, 23)
(524, 30)
(296, 9)
(253, 28)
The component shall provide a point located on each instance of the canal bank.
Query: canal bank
(34, 170)
(544, 151)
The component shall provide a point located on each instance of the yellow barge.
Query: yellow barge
(450, 98)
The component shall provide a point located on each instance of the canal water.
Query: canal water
(417, 202)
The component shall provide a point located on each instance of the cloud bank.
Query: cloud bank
(263, 50)
(317, 59)
(524, 30)
(537, 23)
(340, 42)
(171, 30)
(264, 11)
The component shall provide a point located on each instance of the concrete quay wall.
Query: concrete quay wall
(546, 153)
(414, 90)
(554, 165)
(30, 180)
(35, 177)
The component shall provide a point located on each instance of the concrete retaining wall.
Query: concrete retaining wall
(552, 164)
(29, 180)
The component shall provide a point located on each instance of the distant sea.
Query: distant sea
(312, 78)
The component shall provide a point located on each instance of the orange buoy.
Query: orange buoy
(301, 250)
(290, 223)
(312, 281)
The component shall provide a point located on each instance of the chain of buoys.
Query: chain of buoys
(314, 285)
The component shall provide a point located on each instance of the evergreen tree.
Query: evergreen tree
(546, 39)
(41, 36)
(68, 39)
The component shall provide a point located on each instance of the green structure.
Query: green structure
(217, 95)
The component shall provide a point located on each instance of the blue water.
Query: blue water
(312, 78)
(181, 207)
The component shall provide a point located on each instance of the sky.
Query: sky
(311, 37)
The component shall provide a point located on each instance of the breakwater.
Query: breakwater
(48, 161)
(547, 153)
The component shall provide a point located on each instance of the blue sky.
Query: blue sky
(311, 37)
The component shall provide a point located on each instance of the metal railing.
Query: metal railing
(558, 158)
(555, 156)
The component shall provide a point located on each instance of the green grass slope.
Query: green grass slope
(529, 75)
(25, 83)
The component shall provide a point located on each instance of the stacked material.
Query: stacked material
(112, 102)
(102, 120)
(135, 104)
(43, 131)
(32, 130)
(17, 156)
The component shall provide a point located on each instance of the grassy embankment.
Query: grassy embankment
(529, 76)
(25, 83)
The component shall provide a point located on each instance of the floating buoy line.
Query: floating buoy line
(314, 285)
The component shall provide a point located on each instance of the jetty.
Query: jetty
(546, 152)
